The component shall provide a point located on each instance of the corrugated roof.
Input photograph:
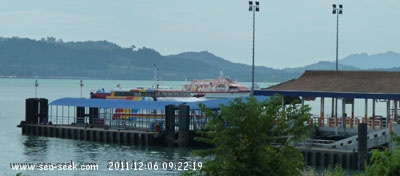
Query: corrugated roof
(153, 105)
(377, 84)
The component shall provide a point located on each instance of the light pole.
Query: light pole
(337, 9)
(156, 86)
(36, 87)
(253, 8)
(81, 85)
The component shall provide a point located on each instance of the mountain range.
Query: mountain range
(54, 58)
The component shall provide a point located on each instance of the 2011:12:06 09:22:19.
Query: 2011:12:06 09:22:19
(153, 165)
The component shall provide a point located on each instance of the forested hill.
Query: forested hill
(52, 58)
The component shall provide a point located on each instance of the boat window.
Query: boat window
(159, 94)
(148, 94)
(123, 94)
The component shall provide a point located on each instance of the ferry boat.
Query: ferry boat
(153, 93)
(221, 87)
(144, 94)
(147, 94)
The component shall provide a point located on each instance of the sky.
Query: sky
(288, 33)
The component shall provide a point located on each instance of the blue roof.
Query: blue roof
(156, 105)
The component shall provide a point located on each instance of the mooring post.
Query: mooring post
(170, 125)
(31, 110)
(183, 137)
(362, 145)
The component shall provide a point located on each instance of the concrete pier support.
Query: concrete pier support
(108, 136)
(362, 145)
(124, 139)
(183, 139)
(170, 125)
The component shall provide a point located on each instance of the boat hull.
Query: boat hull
(217, 95)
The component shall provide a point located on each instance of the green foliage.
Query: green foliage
(337, 171)
(252, 138)
(385, 162)
(55, 58)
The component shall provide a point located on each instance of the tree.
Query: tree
(253, 138)
(385, 162)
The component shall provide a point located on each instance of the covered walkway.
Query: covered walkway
(127, 114)
(345, 86)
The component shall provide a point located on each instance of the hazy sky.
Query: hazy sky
(289, 33)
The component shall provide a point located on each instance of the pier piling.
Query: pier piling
(362, 145)
(170, 125)
(183, 139)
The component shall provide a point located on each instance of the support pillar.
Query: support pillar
(365, 119)
(387, 114)
(373, 113)
(333, 107)
(183, 139)
(321, 116)
(343, 113)
(395, 111)
(352, 115)
(170, 125)
(362, 145)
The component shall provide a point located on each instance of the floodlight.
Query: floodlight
(257, 6)
(337, 9)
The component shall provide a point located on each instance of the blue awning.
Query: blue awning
(153, 105)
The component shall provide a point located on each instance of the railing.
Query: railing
(133, 119)
(377, 123)
(374, 139)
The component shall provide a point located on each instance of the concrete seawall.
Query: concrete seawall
(109, 136)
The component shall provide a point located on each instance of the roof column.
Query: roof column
(322, 109)
(336, 108)
(395, 110)
(387, 113)
(333, 107)
(365, 119)
(352, 114)
(373, 113)
(344, 115)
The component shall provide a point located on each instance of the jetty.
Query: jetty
(116, 121)
(339, 138)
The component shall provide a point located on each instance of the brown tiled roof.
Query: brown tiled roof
(344, 81)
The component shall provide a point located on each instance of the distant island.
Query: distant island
(54, 58)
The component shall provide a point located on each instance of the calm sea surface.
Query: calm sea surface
(17, 148)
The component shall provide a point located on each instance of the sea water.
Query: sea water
(18, 148)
